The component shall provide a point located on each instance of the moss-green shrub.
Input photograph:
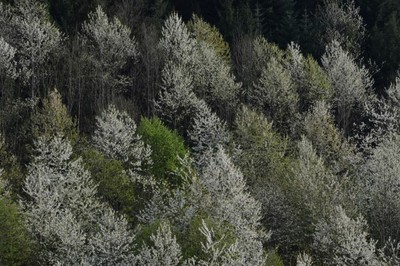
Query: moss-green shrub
(16, 248)
(114, 185)
(273, 259)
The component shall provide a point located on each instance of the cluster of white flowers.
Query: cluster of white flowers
(351, 82)
(109, 41)
(64, 214)
(33, 37)
(116, 137)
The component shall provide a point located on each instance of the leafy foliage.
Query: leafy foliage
(16, 246)
(275, 94)
(210, 35)
(266, 136)
(114, 184)
(167, 147)
(264, 159)
(53, 118)
(311, 80)
(328, 142)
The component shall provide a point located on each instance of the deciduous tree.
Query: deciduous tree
(342, 240)
(33, 36)
(111, 48)
(116, 137)
(64, 215)
(351, 83)
(340, 20)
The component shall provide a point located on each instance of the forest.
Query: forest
(200, 132)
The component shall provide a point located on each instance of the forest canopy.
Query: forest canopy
(226, 132)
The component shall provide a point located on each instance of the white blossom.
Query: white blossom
(379, 182)
(393, 93)
(303, 259)
(229, 201)
(33, 37)
(319, 188)
(219, 191)
(110, 40)
(112, 243)
(212, 77)
(341, 20)
(350, 81)
(221, 256)
(176, 98)
(164, 250)
(341, 240)
(213, 80)
(64, 215)
(295, 63)
(206, 132)
(7, 61)
(116, 137)
(176, 42)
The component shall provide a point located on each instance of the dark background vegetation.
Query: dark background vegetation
(280, 21)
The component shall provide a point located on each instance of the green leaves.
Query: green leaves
(166, 146)
(16, 247)
(275, 93)
(210, 35)
(53, 119)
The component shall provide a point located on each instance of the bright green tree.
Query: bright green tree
(263, 157)
(311, 81)
(167, 147)
(317, 84)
